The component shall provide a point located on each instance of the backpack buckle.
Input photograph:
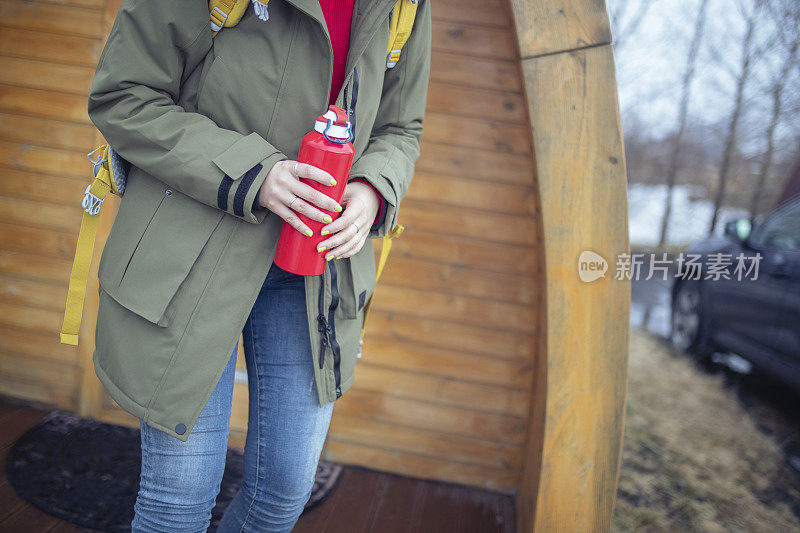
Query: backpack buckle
(218, 18)
(91, 203)
(392, 58)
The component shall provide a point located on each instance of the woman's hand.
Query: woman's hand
(283, 187)
(350, 230)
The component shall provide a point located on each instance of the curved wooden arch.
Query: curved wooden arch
(576, 423)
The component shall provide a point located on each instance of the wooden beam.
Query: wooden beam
(576, 419)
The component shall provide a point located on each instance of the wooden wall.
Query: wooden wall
(451, 339)
(48, 53)
(443, 387)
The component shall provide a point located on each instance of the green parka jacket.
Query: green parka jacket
(202, 121)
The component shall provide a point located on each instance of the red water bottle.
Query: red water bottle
(329, 147)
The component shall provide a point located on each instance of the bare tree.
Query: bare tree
(749, 54)
(786, 15)
(623, 24)
(686, 89)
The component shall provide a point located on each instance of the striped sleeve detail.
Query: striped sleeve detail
(222, 192)
(243, 187)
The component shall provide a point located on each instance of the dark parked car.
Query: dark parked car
(756, 317)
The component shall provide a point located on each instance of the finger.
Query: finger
(337, 239)
(315, 197)
(352, 211)
(301, 206)
(349, 249)
(291, 217)
(308, 171)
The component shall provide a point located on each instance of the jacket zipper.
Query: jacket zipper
(328, 327)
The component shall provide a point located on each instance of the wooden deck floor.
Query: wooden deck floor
(364, 500)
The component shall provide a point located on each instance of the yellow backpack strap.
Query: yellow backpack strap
(227, 13)
(386, 247)
(400, 26)
(93, 198)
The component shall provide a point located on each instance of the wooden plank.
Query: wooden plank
(418, 215)
(474, 194)
(47, 132)
(39, 371)
(45, 321)
(35, 345)
(56, 190)
(467, 132)
(456, 309)
(472, 41)
(474, 162)
(45, 104)
(64, 49)
(35, 266)
(466, 101)
(32, 293)
(51, 161)
(442, 247)
(91, 4)
(569, 479)
(479, 72)
(449, 364)
(466, 338)
(47, 75)
(40, 395)
(435, 389)
(474, 12)
(549, 27)
(52, 18)
(463, 280)
(58, 217)
(418, 466)
(443, 418)
(43, 242)
(387, 435)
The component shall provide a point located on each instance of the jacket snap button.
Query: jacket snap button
(168, 192)
(180, 429)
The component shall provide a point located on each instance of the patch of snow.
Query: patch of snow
(689, 219)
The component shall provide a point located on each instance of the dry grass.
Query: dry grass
(693, 458)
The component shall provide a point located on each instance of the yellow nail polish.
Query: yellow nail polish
(309, 232)
(324, 232)
(333, 181)
(322, 248)
(338, 209)
(327, 219)
(328, 258)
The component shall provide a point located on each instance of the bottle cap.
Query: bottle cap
(339, 127)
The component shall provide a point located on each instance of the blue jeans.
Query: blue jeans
(286, 431)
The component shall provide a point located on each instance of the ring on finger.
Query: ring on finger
(357, 230)
(293, 199)
(295, 169)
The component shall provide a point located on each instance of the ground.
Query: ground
(703, 449)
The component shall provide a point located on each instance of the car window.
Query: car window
(781, 230)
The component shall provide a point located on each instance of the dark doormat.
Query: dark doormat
(87, 472)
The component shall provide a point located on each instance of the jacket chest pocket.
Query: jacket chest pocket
(154, 256)
(359, 280)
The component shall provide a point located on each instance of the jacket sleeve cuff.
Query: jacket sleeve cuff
(379, 218)
(245, 166)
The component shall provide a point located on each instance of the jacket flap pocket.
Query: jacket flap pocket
(243, 155)
(358, 281)
(164, 255)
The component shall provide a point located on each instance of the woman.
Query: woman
(212, 128)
